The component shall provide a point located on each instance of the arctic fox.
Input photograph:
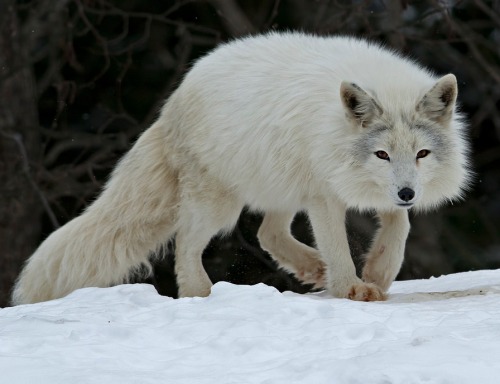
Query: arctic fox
(280, 123)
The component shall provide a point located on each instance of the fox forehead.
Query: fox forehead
(401, 137)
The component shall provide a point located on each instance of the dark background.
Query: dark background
(80, 79)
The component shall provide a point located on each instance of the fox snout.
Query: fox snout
(406, 196)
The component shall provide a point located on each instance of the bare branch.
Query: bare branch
(27, 172)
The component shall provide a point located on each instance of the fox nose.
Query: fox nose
(406, 194)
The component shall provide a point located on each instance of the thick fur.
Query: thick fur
(279, 123)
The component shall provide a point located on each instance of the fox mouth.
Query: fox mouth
(405, 205)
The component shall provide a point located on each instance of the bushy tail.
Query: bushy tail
(135, 214)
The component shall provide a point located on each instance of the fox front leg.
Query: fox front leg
(386, 254)
(328, 222)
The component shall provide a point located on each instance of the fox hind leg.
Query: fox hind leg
(292, 255)
(203, 213)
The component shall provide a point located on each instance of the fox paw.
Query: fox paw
(366, 292)
(315, 276)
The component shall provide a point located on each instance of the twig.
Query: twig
(16, 137)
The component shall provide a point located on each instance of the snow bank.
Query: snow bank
(444, 330)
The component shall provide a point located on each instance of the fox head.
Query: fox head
(409, 151)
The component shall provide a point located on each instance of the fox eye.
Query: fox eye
(382, 155)
(422, 153)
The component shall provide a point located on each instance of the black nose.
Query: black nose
(406, 194)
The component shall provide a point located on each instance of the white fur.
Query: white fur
(280, 123)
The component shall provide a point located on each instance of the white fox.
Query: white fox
(280, 123)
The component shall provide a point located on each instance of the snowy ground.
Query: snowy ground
(444, 330)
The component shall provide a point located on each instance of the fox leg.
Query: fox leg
(292, 255)
(328, 222)
(204, 211)
(386, 254)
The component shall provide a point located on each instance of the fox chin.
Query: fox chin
(279, 123)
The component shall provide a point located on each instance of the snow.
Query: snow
(442, 330)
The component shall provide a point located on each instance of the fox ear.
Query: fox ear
(359, 105)
(438, 103)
